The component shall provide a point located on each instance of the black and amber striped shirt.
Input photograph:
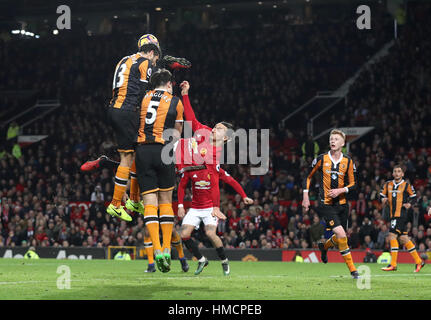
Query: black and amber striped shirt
(332, 175)
(397, 195)
(159, 111)
(130, 82)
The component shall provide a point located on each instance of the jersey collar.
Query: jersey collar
(332, 159)
(397, 184)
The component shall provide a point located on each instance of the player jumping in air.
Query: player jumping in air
(400, 196)
(336, 173)
(131, 78)
(160, 110)
(105, 162)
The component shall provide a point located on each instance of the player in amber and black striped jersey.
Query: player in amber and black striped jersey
(131, 78)
(399, 195)
(336, 177)
(130, 83)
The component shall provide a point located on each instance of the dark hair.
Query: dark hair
(230, 129)
(399, 166)
(160, 78)
(148, 47)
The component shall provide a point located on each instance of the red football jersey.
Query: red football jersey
(206, 153)
(205, 186)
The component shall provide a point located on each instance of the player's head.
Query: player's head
(222, 132)
(337, 139)
(398, 172)
(162, 79)
(149, 45)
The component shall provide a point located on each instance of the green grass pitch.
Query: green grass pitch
(109, 279)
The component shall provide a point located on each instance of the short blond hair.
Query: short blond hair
(341, 133)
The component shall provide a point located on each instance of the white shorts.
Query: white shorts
(195, 216)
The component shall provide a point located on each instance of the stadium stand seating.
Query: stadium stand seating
(47, 201)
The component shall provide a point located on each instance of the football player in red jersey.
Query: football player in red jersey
(209, 142)
(203, 192)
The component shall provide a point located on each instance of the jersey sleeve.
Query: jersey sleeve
(189, 115)
(226, 177)
(182, 187)
(351, 174)
(384, 191)
(180, 111)
(315, 165)
(412, 193)
(145, 71)
(215, 188)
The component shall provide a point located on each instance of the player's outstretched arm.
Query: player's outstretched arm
(226, 177)
(189, 114)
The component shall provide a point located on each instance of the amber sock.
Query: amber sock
(148, 245)
(152, 224)
(331, 242)
(121, 178)
(412, 250)
(176, 242)
(394, 252)
(166, 223)
(134, 186)
(345, 252)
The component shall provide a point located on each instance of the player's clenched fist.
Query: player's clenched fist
(185, 86)
(248, 200)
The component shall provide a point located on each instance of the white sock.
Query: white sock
(225, 261)
(202, 259)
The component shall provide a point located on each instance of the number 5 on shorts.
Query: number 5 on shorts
(393, 223)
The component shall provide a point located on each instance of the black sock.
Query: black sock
(221, 254)
(193, 248)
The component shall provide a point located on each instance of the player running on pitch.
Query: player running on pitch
(336, 173)
(400, 196)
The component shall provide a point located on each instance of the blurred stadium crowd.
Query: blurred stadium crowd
(254, 71)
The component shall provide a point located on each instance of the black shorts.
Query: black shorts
(153, 174)
(334, 216)
(125, 124)
(398, 226)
